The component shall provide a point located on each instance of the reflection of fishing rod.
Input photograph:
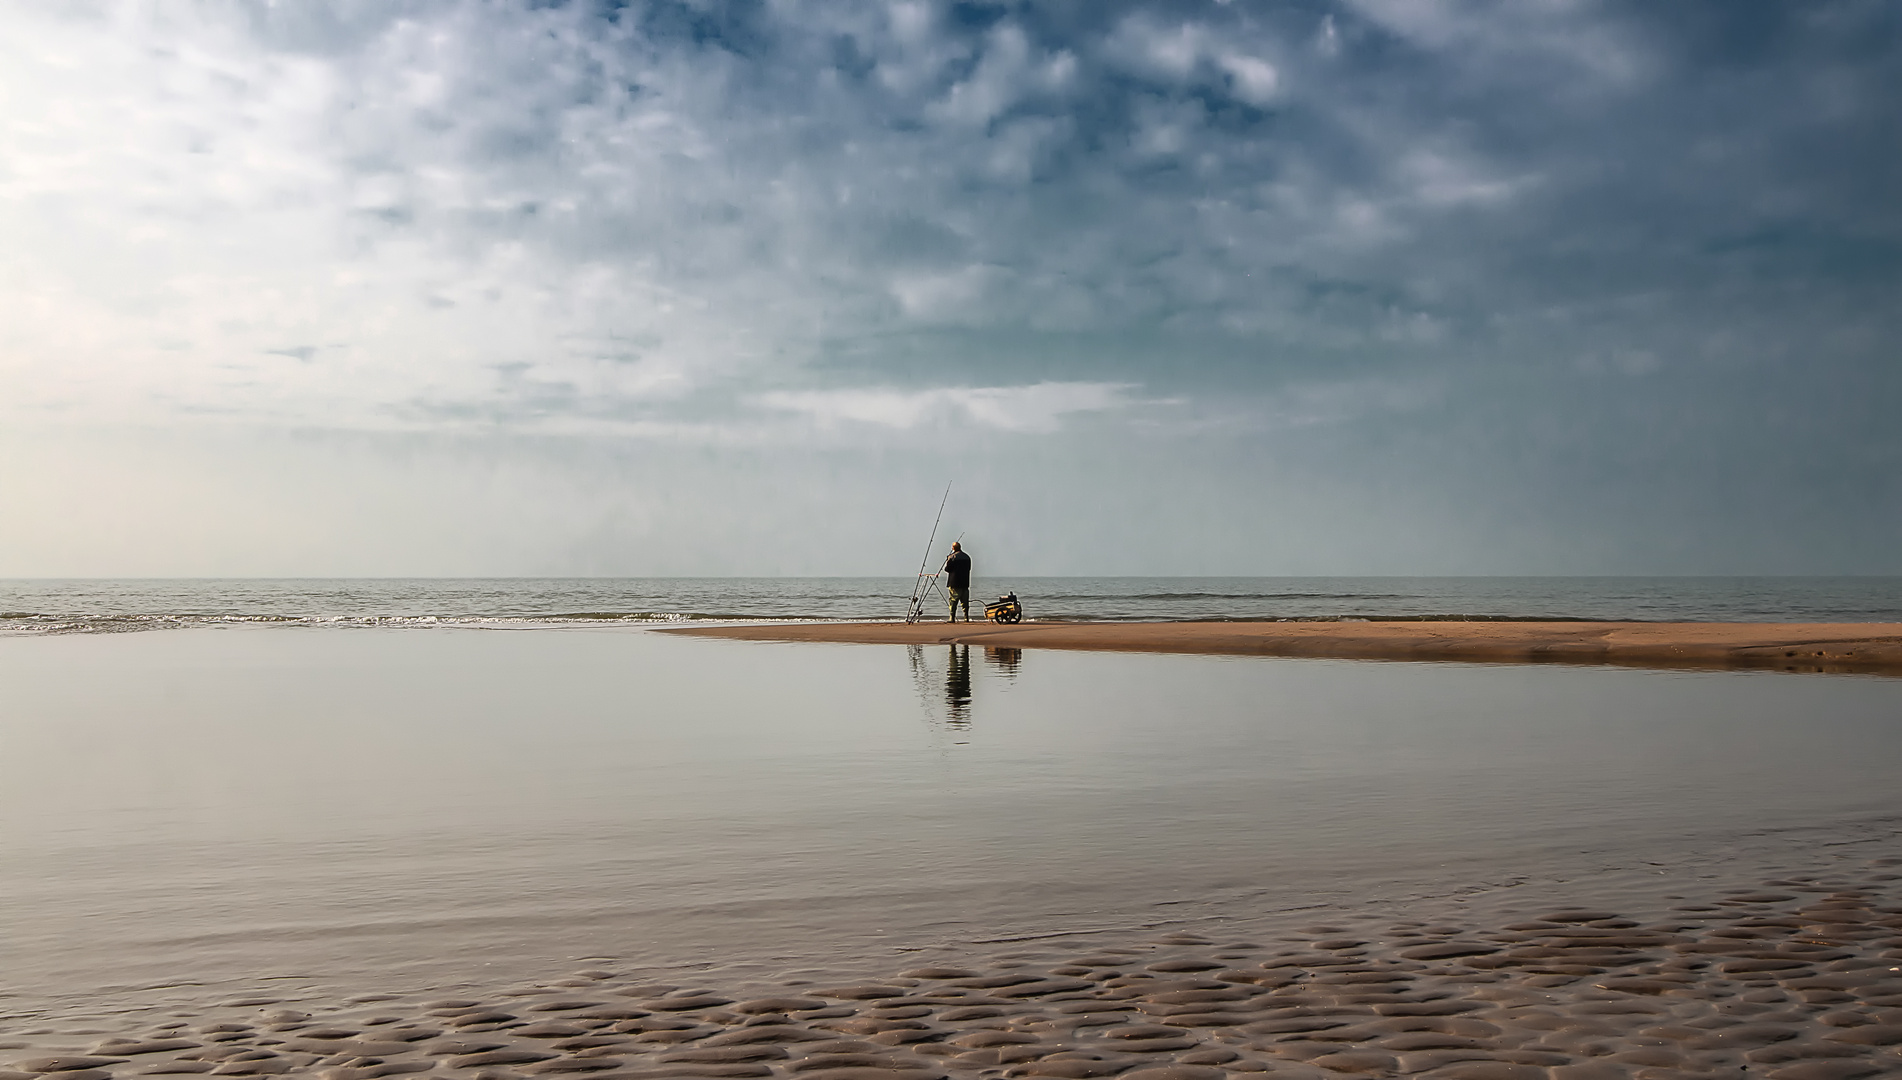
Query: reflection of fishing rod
(917, 607)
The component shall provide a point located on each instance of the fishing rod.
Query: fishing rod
(917, 607)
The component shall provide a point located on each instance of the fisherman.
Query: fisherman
(957, 574)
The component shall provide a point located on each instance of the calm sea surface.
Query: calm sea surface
(523, 783)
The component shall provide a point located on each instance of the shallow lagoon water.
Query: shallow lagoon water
(222, 804)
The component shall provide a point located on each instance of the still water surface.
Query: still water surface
(193, 804)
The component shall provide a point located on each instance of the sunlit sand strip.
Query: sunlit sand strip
(1870, 647)
(1790, 978)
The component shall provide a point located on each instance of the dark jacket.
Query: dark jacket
(957, 570)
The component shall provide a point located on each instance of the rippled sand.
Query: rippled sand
(1793, 978)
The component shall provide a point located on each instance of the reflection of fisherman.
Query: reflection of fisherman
(957, 574)
(957, 685)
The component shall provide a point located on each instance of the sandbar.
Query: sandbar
(1812, 647)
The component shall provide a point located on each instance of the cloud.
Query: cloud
(1039, 407)
(437, 191)
(1193, 54)
(742, 225)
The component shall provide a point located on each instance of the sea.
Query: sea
(89, 605)
(317, 790)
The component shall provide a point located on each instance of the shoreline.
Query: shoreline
(1869, 648)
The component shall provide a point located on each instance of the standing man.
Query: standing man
(957, 573)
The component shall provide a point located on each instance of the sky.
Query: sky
(485, 287)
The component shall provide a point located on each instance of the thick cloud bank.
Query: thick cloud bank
(1369, 285)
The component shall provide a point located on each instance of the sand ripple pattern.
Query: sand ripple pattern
(1798, 979)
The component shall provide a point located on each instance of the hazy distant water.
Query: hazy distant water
(422, 805)
(118, 605)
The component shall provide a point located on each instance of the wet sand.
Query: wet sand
(1673, 950)
(1791, 978)
(1847, 647)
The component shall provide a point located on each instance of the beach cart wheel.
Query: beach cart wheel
(1009, 616)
